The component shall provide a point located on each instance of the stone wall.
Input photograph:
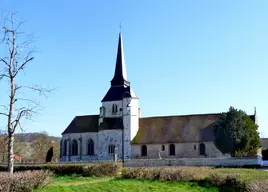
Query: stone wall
(194, 162)
(182, 150)
(112, 137)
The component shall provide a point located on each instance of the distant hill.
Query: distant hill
(29, 137)
(31, 146)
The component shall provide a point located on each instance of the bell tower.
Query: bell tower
(119, 113)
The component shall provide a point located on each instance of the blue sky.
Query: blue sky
(182, 57)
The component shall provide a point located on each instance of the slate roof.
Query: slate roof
(116, 93)
(82, 124)
(120, 73)
(90, 123)
(264, 143)
(119, 83)
(111, 123)
(176, 129)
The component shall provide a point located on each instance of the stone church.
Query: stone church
(120, 129)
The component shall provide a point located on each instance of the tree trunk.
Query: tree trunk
(10, 165)
(10, 115)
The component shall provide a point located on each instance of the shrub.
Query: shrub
(258, 186)
(93, 169)
(227, 179)
(102, 170)
(167, 173)
(24, 181)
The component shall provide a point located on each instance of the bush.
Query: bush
(102, 170)
(227, 179)
(258, 186)
(24, 181)
(93, 169)
(167, 173)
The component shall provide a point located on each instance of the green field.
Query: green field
(83, 184)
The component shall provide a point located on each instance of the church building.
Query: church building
(119, 128)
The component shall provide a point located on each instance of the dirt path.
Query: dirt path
(74, 183)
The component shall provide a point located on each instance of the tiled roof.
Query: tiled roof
(163, 129)
(176, 129)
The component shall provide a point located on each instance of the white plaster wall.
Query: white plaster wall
(108, 106)
(131, 122)
(212, 150)
(111, 137)
(182, 150)
(134, 121)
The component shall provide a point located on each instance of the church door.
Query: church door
(202, 149)
(172, 149)
(144, 150)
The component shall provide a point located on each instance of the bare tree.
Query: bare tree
(19, 55)
(40, 146)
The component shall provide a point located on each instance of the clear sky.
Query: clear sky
(182, 57)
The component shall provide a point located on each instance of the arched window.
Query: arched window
(202, 149)
(163, 147)
(172, 149)
(90, 147)
(111, 149)
(144, 150)
(64, 153)
(114, 109)
(74, 147)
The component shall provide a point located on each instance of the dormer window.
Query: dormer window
(114, 109)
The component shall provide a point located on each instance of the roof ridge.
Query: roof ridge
(199, 114)
(86, 115)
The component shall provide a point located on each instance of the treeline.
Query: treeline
(31, 147)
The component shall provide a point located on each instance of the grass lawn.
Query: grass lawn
(83, 184)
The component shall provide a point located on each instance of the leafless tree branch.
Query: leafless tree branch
(3, 114)
(22, 65)
(15, 63)
(5, 107)
(4, 61)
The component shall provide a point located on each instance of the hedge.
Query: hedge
(227, 179)
(94, 169)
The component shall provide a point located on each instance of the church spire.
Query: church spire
(120, 74)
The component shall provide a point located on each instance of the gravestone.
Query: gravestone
(115, 154)
(159, 154)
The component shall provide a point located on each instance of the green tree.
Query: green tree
(235, 133)
(49, 155)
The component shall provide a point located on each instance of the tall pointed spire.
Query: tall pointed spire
(120, 74)
(119, 84)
